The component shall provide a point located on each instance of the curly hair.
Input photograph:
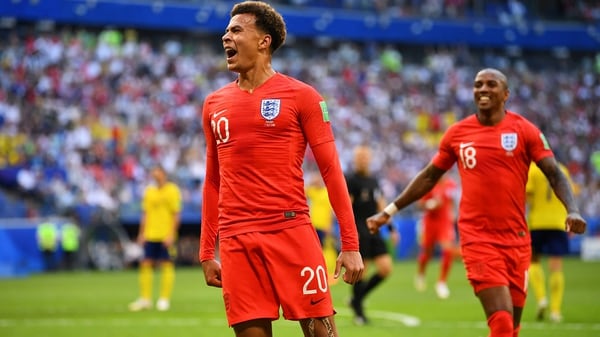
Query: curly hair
(267, 19)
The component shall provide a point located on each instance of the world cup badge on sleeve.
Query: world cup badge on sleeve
(508, 141)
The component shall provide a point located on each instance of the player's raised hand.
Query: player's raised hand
(575, 223)
(376, 221)
(353, 264)
(212, 273)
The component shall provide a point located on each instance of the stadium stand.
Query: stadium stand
(91, 96)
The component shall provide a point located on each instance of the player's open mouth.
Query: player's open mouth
(484, 99)
(230, 53)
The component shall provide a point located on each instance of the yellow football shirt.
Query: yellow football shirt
(545, 211)
(160, 206)
(319, 207)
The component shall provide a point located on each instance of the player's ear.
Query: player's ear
(265, 41)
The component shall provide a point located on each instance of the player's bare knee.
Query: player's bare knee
(385, 272)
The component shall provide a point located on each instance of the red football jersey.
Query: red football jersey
(493, 162)
(256, 143)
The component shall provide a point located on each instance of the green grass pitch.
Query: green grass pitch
(94, 304)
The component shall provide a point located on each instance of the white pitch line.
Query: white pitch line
(409, 321)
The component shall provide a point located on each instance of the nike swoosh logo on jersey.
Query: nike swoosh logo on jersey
(313, 301)
(218, 113)
(463, 145)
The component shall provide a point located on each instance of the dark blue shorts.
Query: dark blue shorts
(156, 251)
(549, 242)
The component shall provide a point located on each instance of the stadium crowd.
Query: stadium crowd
(506, 11)
(85, 114)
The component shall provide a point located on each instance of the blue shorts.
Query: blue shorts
(322, 236)
(549, 242)
(157, 251)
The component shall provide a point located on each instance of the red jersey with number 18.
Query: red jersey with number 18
(493, 162)
(256, 143)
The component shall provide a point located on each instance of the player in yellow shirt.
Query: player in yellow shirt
(546, 219)
(321, 215)
(159, 224)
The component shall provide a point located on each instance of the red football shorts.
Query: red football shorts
(489, 265)
(263, 271)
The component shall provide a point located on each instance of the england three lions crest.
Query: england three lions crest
(269, 108)
(508, 141)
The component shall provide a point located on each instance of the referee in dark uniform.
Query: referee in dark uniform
(367, 199)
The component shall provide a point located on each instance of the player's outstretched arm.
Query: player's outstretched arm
(375, 221)
(422, 183)
(562, 188)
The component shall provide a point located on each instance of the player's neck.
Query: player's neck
(250, 80)
(490, 117)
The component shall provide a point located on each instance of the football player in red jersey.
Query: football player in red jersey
(257, 129)
(493, 149)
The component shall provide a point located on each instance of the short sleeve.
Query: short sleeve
(445, 157)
